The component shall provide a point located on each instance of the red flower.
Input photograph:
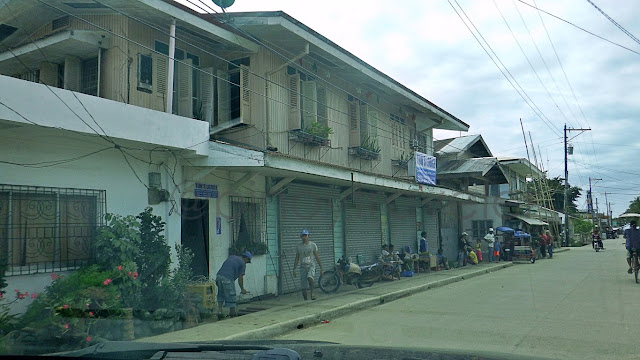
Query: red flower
(54, 276)
(65, 306)
(91, 313)
(34, 295)
(119, 267)
(88, 339)
(1, 295)
(66, 326)
(16, 290)
(20, 296)
(106, 282)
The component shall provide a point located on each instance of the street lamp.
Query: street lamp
(566, 185)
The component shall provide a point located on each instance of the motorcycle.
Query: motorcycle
(597, 245)
(349, 273)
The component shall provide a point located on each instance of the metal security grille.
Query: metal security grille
(449, 229)
(363, 226)
(403, 224)
(311, 208)
(45, 229)
(430, 226)
(249, 224)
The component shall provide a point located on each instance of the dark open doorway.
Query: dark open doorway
(195, 233)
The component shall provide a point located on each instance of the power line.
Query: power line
(574, 25)
(615, 23)
(544, 62)
(529, 61)
(547, 122)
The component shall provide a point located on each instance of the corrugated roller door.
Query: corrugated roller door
(449, 229)
(363, 228)
(304, 207)
(430, 225)
(402, 223)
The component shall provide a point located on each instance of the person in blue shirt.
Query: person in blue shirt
(424, 246)
(632, 236)
(496, 250)
(233, 268)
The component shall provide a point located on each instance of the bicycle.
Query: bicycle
(351, 274)
(636, 264)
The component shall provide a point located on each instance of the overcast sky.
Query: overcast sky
(427, 47)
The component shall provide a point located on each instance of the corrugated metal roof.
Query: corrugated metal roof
(475, 166)
(460, 145)
(529, 220)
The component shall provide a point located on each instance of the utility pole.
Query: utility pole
(597, 214)
(590, 201)
(606, 200)
(566, 185)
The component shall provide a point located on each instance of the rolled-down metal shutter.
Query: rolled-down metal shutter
(430, 226)
(304, 207)
(402, 223)
(363, 228)
(449, 229)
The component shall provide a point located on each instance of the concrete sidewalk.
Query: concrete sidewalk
(286, 313)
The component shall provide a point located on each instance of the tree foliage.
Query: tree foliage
(634, 206)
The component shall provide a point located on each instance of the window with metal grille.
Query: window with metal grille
(249, 225)
(44, 229)
(481, 228)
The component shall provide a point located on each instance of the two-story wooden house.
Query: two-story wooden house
(240, 130)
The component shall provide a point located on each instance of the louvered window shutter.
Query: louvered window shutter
(323, 116)
(206, 94)
(161, 64)
(185, 88)
(224, 98)
(295, 122)
(354, 123)
(309, 104)
(245, 94)
(72, 73)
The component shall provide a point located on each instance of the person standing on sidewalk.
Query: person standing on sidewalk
(550, 244)
(490, 239)
(496, 250)
(233, 268)
(304, 253)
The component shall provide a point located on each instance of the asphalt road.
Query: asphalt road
(578, 305)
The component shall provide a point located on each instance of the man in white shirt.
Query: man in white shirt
(490, 239)
(304, 253)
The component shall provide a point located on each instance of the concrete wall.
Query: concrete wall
(491, 210)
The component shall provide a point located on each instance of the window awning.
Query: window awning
(529, 220)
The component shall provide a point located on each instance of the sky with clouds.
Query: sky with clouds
(426, 46)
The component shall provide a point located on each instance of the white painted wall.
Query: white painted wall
(120, 121)
(220, 207)
(125, 194)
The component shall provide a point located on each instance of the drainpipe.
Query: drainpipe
(99, 70)
(172, 53)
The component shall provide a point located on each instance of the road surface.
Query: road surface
(579, 305)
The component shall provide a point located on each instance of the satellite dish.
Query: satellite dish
(224, 3)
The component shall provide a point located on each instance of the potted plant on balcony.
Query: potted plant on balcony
(316, 134)
(368, 149)
(402, 161)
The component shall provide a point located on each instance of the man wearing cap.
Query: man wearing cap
(233, 268)
(490, 239)
(304, 251)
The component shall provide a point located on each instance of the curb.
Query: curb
(311, 320)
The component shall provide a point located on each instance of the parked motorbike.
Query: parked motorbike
(348, 273)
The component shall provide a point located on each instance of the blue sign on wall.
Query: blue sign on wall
(425, 169)
(205, 191)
